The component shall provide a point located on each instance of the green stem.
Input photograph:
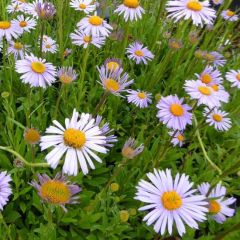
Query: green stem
(101, 102)
(213, 165)
(5, 226)
(21, 158)
(41, 37)
(58, 102)
(125, 41)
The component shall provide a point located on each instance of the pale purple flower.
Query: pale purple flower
(140, 98)
(45, 10)
(218, 203)
(229, 15)
(137, 52)
(131, 148)
(233, 76)
(17, 49)
(25, 23)
(5, 188)
(9, 30)
(215, 58)
(177, 138)
(86, 6)
(173, 113)
(171, 201)
(66, 75)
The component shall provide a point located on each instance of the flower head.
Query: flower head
(199, 12)
(131, 10)
(174, 113)
(233, 76)
(5, 188)
(66, 75)
(137, 52)
(86, 6)
(17, 49)
(214, 58)
(131, 148)
(32, 136)
(113, 64)
(175, 44)
(9, 30)
(45, 10)
(36, 71)
(56, 191)
(171, 200)
(140, 98)
(49, 45)
(218, 204)
(218, 119)
(177, 138)
(229, 15)
(25, 23)
(114, 82)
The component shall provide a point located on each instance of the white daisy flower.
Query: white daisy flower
(220, 92)
(139, 98)
(229, 15)
(114, 82)
(218, 204)
(95, 26)
(233, 76)
(139, 53)
(79, 140)
(201, 92)
(15, 7)
(85, 6)
(25, 23)
(49, 45)
(210, 76)
(218, 119)
(131, 9)
(80, 38)
(17, 49)
(9, 30)
(36, 71)
(177, 138)
(199, 12)
(171, 202)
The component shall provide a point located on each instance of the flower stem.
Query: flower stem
(101, 102)
(41, 37)
(21, 158)
(125, 41)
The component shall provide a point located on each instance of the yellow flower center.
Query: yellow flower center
(209, 57)
(238, 76)
(177, 110)
(18, 46)
(180, 138)
(82, 6)
(205, 90)
(5, 25)
(38, 67)
(131, 3)
(214, 207)
(194, 5)
(32, 136)
(74, 138)
(55, 192)
(112, 85)
(175, 45)
(128, 152)
(64, 78)
(87, 39)
(142, 95)
(171, 200)
(206, 78)
(217, 117)
(48, 46)
(95, 20)
(112, 66)
(215, 87)
(139, 53)
(230, 13)
(23, 24)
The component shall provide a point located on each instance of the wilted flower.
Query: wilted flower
(32, 136)
(66, 75)
(175, 44)
(131, 148)
(45, 10)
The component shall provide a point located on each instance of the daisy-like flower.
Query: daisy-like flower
(36, 71)
(25, 23)
(210, 76)
(5, 188)
(175, 44)
(234, 77)
(67, 52)
(199, 12)
(174, 113)
(171, 202)
(85, 6)
(218, 204)
(81, 139)
(221, 93)
(218, 119)
(114, 82)
(32, 136)
(229, 15)
(49, 45)
(31, 8)
(17, 49)
(139, 53)
(94, 26)
(66, 75)
(9, 30)
(214, 58)
(131, 148)
(201, 92)
(57, 191)
(139, 98)
(113, 64)
(177, 138)
(15, 7)
(80, 38)
(131, 9)
(217, 2)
